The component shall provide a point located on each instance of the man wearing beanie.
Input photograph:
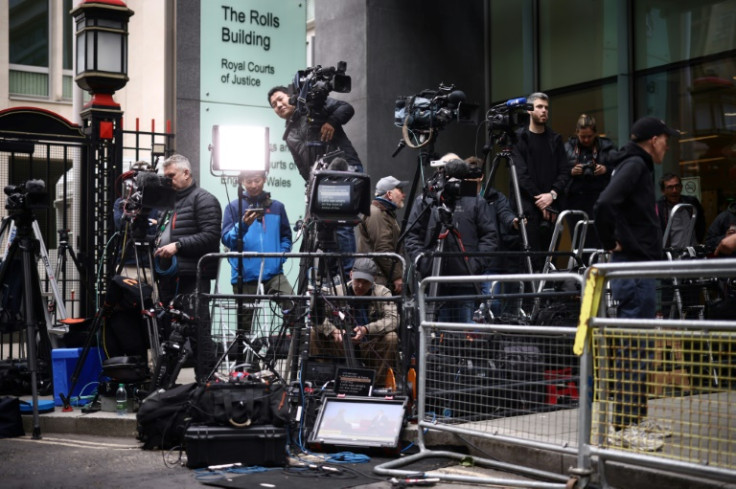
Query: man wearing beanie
(373, 323)
(379, 232)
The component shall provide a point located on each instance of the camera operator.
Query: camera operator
(135, 223)
(589, 155)
(186, 234)
(305, 152)
(474, 230)
(543, 174)
(373, 323)
(332, 136)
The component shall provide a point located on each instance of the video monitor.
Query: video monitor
(369, 422)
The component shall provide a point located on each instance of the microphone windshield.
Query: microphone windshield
(338, 164)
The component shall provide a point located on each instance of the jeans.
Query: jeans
(637, 298)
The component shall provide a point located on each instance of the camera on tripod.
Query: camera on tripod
(148, 190)
(313, 85)
(506, 118)
(30, 194)
(452, 180)
(433, 109)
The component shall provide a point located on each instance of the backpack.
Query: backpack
(164, 416)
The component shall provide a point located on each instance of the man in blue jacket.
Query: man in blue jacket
(261, 223)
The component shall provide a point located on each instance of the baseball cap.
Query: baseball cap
(389, 183)
(364, 268)
(648, 127)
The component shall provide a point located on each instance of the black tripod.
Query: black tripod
(61, 265)
(28, 246)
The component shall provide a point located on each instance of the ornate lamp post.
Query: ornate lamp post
(101, 69)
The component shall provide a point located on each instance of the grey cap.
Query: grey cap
(389, 183)
(364, 268)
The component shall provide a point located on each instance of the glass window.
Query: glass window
(29, 32)
(666, 32)
(699, 100)
(507, 46)
(578, 41)
(600, 102)
(68, 33)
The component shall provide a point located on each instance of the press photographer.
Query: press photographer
(589, 156)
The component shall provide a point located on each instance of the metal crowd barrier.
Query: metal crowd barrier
(272, 326)
(664, 391)
(501, 379)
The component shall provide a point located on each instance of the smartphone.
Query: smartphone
(258, 210)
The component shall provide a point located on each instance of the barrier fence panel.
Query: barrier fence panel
(664, 389)
(288, 335)
(511, 378)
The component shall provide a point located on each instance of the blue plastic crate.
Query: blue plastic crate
(63, 361)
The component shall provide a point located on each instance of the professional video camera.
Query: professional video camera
(505, 118)
(452, 180)
(30, 194)
(433, 109)
(147, 190)
(336, 194)
(313, 85)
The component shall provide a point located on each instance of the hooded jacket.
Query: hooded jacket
(625, 211)
(719, 227)
(270, 234)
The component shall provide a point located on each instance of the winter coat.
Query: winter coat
(379, 233)
(719, 226)
(625, 212)
(269, 234)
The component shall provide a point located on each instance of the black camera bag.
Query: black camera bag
(243, 403)
(164, 416)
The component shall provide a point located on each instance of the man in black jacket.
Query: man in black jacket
(474, 226)
(628, 228)
(186, 233)
(542, 170)
(312, 135)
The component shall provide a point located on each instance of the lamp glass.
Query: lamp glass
(240, 148)
(89, 53)
(81, 51)
(109, 49)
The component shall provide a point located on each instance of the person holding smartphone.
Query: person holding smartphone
(263, 226)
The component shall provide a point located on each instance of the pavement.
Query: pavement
(100, 450)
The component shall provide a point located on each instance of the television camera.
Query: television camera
(313, 85)
(506, 118)
(147, 190)
(28, 195)
(431, 110)
(452, 180)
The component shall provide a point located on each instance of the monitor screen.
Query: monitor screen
(359, 422)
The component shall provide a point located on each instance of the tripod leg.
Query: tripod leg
(66, 399)
(28, 303)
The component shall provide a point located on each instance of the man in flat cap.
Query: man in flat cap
(379, 232)
(628, 228)
(373, 324)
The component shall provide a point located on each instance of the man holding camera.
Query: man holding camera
(589, 156)
(542, 170)
(257, 223)
(305, 152)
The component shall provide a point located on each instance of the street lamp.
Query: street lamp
(101, 69)
(102, 48)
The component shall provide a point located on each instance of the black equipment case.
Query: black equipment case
(263, 445)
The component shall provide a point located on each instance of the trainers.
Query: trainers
(655, 427)
(635, 438)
